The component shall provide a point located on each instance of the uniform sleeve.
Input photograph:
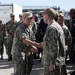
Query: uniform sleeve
(21, 33)
(24, 33)
(51, 44)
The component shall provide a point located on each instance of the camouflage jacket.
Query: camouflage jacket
(2, 32)
(18, 45)
(10, 27)
(54, 43)
(68, 38)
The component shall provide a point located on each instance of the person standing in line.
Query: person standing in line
(20, 21)
(72, 30)
(22, 44)
(68, 39)
(1, 39)
(10, 29)
(53, 45)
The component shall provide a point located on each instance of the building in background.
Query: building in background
(7, 9)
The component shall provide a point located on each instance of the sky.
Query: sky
(63, 4)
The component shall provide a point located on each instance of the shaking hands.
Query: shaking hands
(39, 45)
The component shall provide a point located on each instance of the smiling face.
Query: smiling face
(27, 17)
(27, 21)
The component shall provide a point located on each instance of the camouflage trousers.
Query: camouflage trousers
(22, 67)
(57, 71)
(30, 63)
(1, 47)
(5, 44)
(9, 46)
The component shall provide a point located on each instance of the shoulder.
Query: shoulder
(34, 23)
(15, 21)
(8, 22)
(65, 27)
(58, 27)
(3, 25)
(51, 30)
(55, 26)
(21, 27)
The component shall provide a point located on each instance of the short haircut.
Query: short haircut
(50, 12)
(72, 11)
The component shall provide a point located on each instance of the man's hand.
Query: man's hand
(52, 67)
(35, 50)
(39, 45)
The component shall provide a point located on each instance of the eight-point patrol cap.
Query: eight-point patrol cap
(20, 15)
(12, 15)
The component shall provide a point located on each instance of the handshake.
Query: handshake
(39, 45)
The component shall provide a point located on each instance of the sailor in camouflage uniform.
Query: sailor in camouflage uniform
(10, 28)
(72, 29)
(68, 38)
(22, 44)
(53, 45)
(1, 39)
(20, 21)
